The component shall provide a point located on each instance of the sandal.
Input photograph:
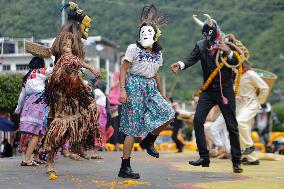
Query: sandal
(74, 156)
(66, 153)
(40, 162)
(97, 157)
(32, 163)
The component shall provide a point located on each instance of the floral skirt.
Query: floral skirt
(33, 120)
(146, 109)
(34, 116)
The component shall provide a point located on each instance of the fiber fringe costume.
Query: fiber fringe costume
(71, 105)
(73, 112)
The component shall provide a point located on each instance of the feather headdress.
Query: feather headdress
(151, 15)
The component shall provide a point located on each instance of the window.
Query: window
(22, 67)
(102, 63)
(6, 67)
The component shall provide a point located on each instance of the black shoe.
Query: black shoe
(180, 148)
(237, 168)
(248, 150)
(179, 151)
(244, 160)
(152, 151)
(204, 162)
(126, 171)
(148, 144)
(256, 162)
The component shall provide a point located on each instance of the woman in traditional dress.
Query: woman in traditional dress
(145, 111)
(33, 116)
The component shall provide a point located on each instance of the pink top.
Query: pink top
(114, 92)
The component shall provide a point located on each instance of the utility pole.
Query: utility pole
(62, 14)
(164, 85)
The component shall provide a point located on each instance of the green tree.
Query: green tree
(10, 88)
(258, 24)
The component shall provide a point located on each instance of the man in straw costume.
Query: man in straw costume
(217, 88)
(73, 113)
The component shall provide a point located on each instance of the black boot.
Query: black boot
(180, 147)
(204, 162)
(148, 144)
(237, 168)
(126, 171)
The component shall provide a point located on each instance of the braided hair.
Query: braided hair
(35, 63)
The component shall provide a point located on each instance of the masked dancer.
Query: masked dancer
(217, 88)
(145, 112)
(74, 115)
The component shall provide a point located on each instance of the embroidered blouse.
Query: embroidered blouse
(35, 84)
(143, 63)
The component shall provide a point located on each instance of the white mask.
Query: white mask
(147, 34)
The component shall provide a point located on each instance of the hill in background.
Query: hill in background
(258, 24)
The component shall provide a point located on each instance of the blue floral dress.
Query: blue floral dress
(146, 109)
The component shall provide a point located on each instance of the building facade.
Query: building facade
(100, 53)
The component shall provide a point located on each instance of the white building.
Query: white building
(100, 53)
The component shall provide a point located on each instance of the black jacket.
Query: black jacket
(200, 52)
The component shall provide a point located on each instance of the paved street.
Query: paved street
(170, 171)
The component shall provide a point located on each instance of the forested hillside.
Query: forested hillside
(259, 24)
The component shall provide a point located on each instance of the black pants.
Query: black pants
(207, 100)
(117, 137)
(179, 144)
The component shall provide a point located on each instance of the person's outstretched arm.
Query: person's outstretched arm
(187, 61)
(92, 69)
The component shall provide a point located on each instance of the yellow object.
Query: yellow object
(216, 70)
(260, 146)
(120, 146)
(158, 34)
(255, 137)
(269, 77)
(137, 147)
(52, 176)
(275, 135)
(109, 147)
(166, 133)
(169, 134)
(133, 182)
(240, 72)
(73, 5)
(85, 26)
(164, 147)
(211, 77)
(189, 146)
